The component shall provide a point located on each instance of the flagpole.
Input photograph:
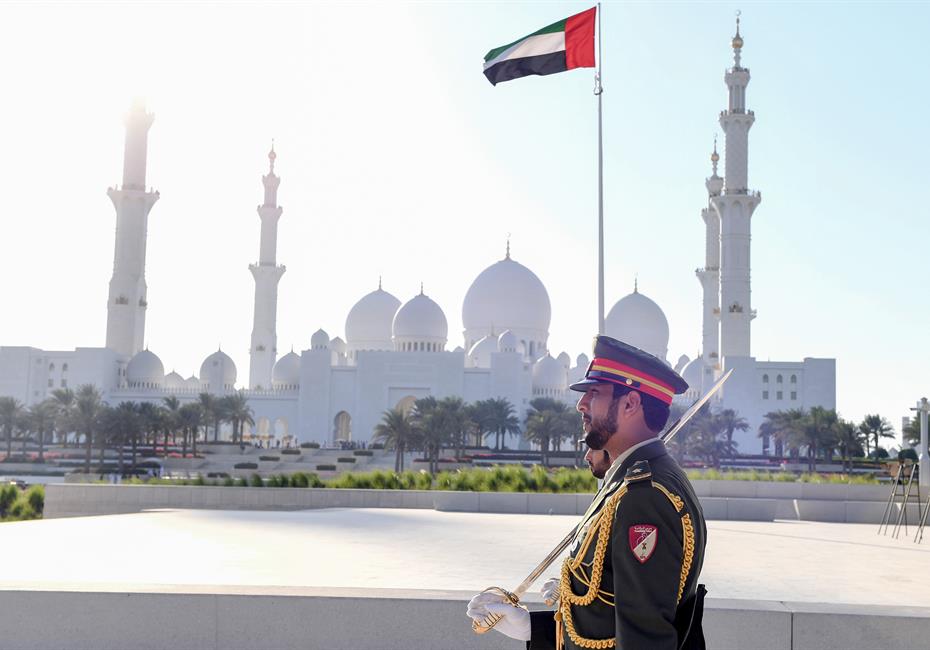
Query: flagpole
(599, 90)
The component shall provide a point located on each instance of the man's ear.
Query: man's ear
(633, 402)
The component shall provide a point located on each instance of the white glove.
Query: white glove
(550, 591)
(516, 619)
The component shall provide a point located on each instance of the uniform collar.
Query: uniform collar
(645, 450)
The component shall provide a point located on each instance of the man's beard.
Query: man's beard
(601, 430)
(599, 470)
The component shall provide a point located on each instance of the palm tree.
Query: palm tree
(428, 418)
(703, 437)
(63, 399)
(548, 422)
(121, 423)
(190, 419)
(41, 419)
(911, 432)
(849, 439)
(502, 419)
(397, 429)
(213, 412)
(172, 411)
(11, 410)
(86, 416)
(874, 427)
(480, 413)
(237, 410)
(818, 431)
(149, 425)
(729, 423)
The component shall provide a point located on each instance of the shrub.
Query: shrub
(309, 445)
(217, 475)
(326, 468)
(270, 458)
(279, 480)
(256, 481)
(241, 482)
(907, 454)
(303, 480)
(228, 481)
(198, 481)
(349, 459)
(363, 452)
(245, 466)
(8, 494)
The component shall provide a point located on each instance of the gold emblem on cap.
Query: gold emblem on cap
(629, 381)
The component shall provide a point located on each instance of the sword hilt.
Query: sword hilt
(493, 619)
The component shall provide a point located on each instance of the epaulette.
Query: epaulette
(638, 471)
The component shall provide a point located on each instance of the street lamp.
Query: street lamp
(923, 408)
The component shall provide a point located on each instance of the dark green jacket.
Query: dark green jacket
(651, 559)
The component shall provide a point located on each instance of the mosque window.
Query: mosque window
(779, 380)
(765, 394)
(794, 395)
(794, 379)
(779, 395)
(64, 368)
(765, 379)
(51, 367)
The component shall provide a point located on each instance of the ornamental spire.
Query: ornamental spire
(715, 157)
(507, 256)
(737, 42)
(271, 158)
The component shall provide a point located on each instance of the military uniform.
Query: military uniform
(631, 580)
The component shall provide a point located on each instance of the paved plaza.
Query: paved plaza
(196, 550)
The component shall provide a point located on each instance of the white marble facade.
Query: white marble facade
(395, 352)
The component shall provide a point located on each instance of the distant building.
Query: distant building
(394, 353)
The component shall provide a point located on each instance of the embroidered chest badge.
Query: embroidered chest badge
(643, 538)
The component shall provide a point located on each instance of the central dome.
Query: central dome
(218, 373)
(507, 295)
(145, 370)
(639, 321)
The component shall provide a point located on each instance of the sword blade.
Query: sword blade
(565, 543)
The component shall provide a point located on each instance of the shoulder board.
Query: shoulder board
(638, 471)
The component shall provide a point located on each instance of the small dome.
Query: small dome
(507, 342)
(565, 360)
(145, 370)
(218, 372)
(286, 371)
(640, 322)
(192, 383)
(369, 323)
(319, 340)
(420, 325)
(548, 376)
(337, 345)
(683, 361)
(480, 354)
(582, 361)
(174, 381)
(693, 373)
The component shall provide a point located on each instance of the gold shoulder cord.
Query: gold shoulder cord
(601, 528)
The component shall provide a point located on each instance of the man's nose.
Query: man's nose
(582, 405)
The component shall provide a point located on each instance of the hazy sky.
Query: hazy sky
(399, 159)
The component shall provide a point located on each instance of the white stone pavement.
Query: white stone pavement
(190, 550)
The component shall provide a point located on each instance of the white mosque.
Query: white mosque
(394, 353)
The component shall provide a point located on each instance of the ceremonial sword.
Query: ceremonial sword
(513, 597)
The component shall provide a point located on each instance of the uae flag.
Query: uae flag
(561, 46)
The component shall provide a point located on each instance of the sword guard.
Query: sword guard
(493, 619)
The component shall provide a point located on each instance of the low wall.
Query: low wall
(338, 619)
(76, 500)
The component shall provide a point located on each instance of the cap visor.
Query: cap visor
(582, 386)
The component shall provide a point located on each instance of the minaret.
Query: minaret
(267, 273)
(735, 207)
(127, 302)
(709, 276)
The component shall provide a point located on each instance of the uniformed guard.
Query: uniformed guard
(631, 579)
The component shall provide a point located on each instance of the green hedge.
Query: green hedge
(363, 452)
(290, 452)
(326, 468)
(309, 445)
(16, 505)
(245, 466)
(273, 459)
(779, 477)
(349, 459)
